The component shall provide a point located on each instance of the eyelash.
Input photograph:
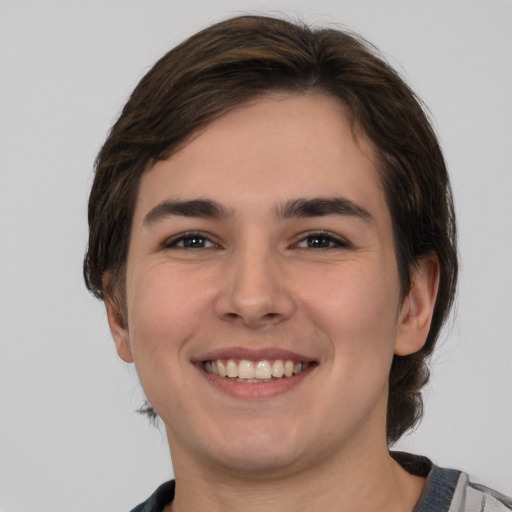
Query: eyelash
(189, 235)
(332, 241)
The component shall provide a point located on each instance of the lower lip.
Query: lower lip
(255, 390)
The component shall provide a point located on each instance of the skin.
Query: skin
(325, 287)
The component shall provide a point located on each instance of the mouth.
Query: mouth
(254, 372)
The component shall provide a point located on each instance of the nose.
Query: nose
(253, 292)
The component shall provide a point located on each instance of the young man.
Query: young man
(272, 232)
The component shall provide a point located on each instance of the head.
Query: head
(244, 58)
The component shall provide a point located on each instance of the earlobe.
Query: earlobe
(116, 321)
(418, 307)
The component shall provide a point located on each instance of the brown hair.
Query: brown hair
(237, 59)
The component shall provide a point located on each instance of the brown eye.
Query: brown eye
(322, 241)
(194, 242)
(190, 241)
(318, 241)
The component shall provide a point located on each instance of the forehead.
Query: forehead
(276, 147)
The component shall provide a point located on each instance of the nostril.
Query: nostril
(253, 309)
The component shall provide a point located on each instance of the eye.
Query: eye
(321, 240)
(190, 240)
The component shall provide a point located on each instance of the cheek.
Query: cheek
(357, 308)
(355, 313)
(165, 312)
(166, 308)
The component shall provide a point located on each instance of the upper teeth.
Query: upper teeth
(259, 370)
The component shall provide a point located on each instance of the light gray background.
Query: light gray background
(69, 439)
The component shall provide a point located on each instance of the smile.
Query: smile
(244, 370)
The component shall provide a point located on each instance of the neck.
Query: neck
(371, 482)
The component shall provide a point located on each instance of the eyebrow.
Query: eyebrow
(302, 207)
(193, 208)
(322, 207)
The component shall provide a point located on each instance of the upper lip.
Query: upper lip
(251, 354)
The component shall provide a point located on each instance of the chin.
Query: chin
(255, 449)
(254, 459)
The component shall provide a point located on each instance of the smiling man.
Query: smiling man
(272, 232)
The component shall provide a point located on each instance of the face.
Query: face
(263, 305)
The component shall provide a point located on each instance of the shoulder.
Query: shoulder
(158, 500)
(487, 499)
(449, 490)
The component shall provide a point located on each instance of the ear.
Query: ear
(116, 321)
(416, 312)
